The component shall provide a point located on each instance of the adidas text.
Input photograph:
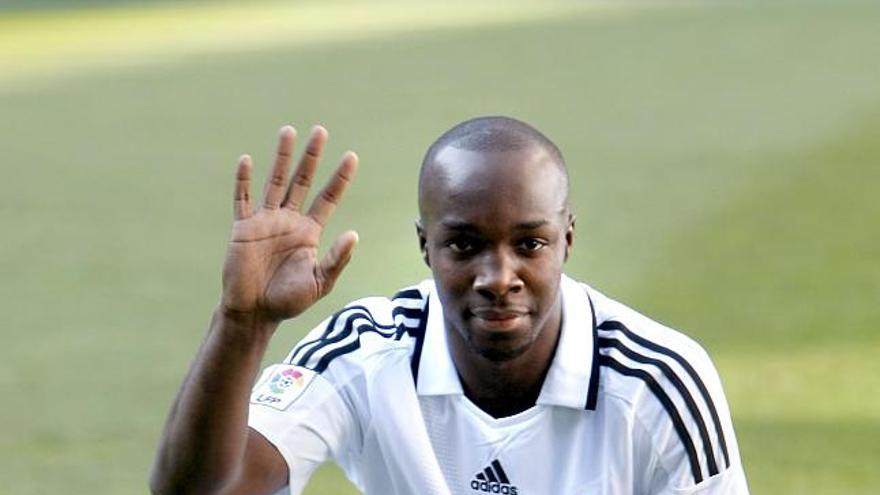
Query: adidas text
(493, 487)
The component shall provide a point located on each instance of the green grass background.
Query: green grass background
(725, 163)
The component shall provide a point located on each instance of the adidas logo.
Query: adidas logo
(493, 479)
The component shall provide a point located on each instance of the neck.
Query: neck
(505, 388)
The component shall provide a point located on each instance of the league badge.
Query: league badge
(285, 383)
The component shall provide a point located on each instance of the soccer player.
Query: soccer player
(501, 375)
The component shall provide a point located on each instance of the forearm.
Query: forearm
(205, 436)
(271, 268)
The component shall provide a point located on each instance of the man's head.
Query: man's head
(495, 228)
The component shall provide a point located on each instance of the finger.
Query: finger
(326, 202)
(276, 183)
(334, 261)
(305, 171)
(242, 199)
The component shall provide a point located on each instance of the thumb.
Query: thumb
(334, 261)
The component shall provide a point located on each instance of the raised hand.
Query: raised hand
(272, 271)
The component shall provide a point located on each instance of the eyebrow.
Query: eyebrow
(468, 227)
(458, 226)
(536, 224)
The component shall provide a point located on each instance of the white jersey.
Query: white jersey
(628, 407)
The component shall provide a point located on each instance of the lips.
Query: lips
(499, 318)
(497, 314)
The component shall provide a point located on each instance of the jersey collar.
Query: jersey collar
(436, 373)
(572, 380)
(573, 376)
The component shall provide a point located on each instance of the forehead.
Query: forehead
(523, 185)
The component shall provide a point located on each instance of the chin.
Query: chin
(501, 352)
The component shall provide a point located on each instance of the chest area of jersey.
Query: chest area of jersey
(540, 451)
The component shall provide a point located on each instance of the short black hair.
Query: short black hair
(493, 133)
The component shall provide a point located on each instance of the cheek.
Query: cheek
(549, 262)
(543, 280)
(451, 277)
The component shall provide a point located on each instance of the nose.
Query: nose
(497, 275)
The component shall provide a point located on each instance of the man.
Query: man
(500, 375)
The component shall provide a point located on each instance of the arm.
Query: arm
(271, 273)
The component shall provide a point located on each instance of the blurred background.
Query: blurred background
(725, 162)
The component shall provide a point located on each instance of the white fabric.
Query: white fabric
(394, 435)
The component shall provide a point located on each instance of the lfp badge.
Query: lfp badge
(284, 384)
(291, 377)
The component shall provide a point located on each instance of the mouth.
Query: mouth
(498, 319)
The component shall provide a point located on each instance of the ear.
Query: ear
(569, 236)
(423, 242)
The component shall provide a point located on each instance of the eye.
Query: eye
(531, 244)
(461, 245)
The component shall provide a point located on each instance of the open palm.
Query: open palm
(272, 269)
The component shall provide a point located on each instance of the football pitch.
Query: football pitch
(725, 164)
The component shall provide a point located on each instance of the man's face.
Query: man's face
(496, 231)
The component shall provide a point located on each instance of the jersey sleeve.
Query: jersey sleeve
(308, 417)
(696, 453)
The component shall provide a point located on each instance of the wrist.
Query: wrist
(244, 325)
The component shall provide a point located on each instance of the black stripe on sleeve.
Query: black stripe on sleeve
(410, 313)
(343, 350)
(607, 343)
(328, 329)
(408, 294)
(354, 312)
(593, 389)
(325, 360)
(716, 421)
(323, 340)
(356, 319)
(658, 392)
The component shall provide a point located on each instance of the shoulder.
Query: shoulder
(670, 387)
(365, 328)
